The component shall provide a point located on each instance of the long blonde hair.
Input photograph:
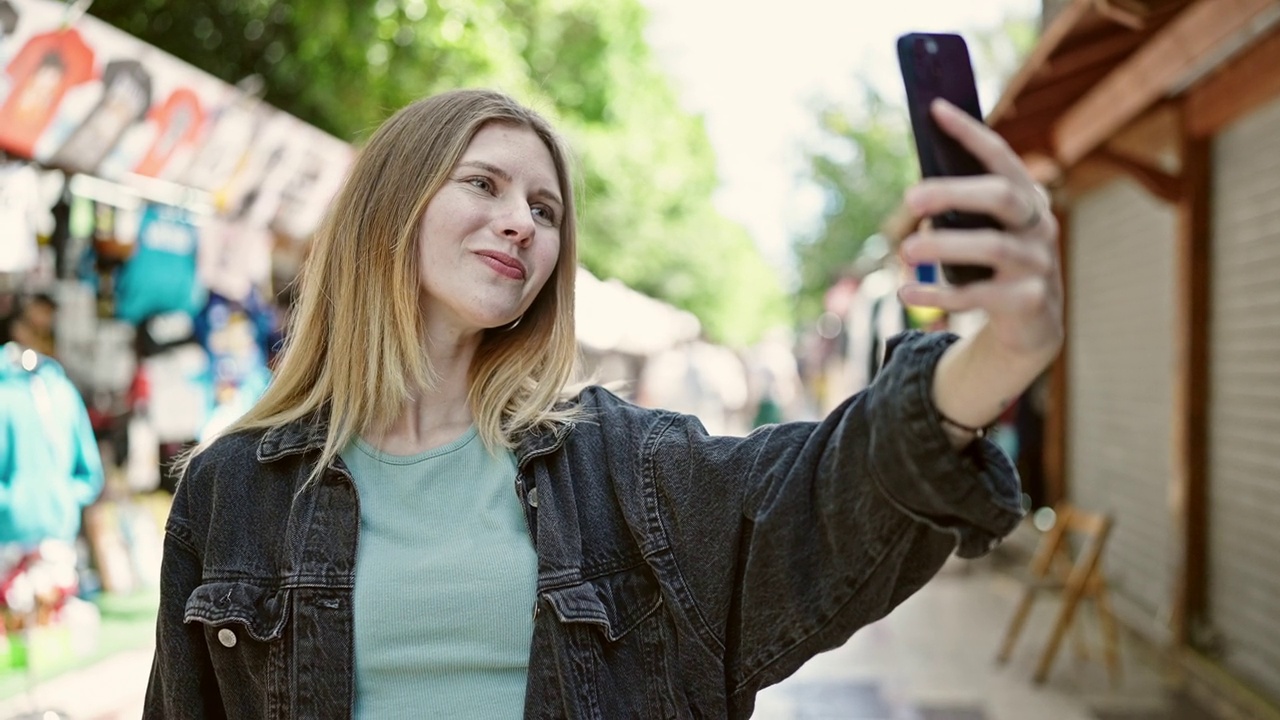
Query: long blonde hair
(355, 344)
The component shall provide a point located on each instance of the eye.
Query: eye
(480, 183)
(545, 214)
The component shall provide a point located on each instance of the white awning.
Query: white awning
(612, 317)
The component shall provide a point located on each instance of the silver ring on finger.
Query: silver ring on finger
(1033, 219)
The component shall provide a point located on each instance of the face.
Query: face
(490, 237)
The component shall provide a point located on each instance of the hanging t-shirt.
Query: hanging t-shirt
(178, 123)
(20, 213)
(234, 257)
(40, 75)
(179, 392)
(126, 95)
(161, 275)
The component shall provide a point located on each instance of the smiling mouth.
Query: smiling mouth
(503, 264)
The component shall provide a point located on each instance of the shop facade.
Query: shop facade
(1157, 126)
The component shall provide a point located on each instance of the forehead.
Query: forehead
(516, 149)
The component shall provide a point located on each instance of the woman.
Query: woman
(353, 546)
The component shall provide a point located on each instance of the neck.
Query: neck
(435, 416)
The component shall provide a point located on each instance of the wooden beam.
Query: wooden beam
(1150, 73)
(1055, 96)
(1123, 16)
(1235, 89)
(1191, 391)
(1154, 139)
(1088, 175)
(1052, 36)
(1091, 53)
(1055, 419)
(1156, 181)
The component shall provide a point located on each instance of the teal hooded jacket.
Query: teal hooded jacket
(49, 463)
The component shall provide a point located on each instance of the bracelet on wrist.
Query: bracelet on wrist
(976, 432)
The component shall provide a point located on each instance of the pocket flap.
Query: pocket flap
(617, 602)
(260, 610)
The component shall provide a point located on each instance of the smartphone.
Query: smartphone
(937, 65)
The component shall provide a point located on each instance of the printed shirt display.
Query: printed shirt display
(49, 463)
(161, 275)
(19, 214)
(126, 95)
(234, 258)
(177, 123)
(40, 75)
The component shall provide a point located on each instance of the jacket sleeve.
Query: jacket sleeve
(788, 541)
(182, 683)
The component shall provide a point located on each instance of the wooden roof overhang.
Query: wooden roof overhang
(1104, 66)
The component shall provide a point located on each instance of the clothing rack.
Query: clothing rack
(138, 189)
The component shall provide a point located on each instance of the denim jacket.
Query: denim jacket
(678, 573)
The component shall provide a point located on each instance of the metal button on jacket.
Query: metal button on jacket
(227, 638)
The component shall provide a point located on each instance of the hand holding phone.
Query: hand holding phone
(937, 65)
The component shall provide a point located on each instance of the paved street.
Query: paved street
(932, 659)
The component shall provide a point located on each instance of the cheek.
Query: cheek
(551, 256)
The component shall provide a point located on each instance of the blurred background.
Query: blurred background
(163, 164)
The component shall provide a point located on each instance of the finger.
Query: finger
(982, 141)
(1012, 205)
(1001, 251)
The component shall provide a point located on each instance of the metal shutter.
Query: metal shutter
(1244, 411)
(1121, 389)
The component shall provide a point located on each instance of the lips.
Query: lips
(503, 264)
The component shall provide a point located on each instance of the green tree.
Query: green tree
(646, 168)
(862, 163)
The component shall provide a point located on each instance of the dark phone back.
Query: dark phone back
(937, 65)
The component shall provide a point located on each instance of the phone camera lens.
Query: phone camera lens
(931, 47)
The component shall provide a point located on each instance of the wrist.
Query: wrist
(975, 381)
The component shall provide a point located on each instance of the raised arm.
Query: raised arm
(790, 540)
(979, 376)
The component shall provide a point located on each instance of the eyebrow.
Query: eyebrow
(506, 177)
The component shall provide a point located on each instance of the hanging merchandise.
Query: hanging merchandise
(236, 335)
(20, 216)
(49, 464)
(176, 126)
(161, 275)
(126, 95)
(172, 391)
(175, 392)
(79, 258)
(8, 19)
(234, 127)
(41, 73)
(76, 332)
(234, 256)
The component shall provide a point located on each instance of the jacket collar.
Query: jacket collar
(303, 435)
(308, 434)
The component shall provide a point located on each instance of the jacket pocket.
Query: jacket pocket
(258, 611)
(612, 646)
(245, 628)
(616, 604)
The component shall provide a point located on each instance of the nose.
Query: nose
(515, 222)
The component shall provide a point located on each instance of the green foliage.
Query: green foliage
(863, 163)
(646, 171)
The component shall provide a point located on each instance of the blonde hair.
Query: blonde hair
(355, 344)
